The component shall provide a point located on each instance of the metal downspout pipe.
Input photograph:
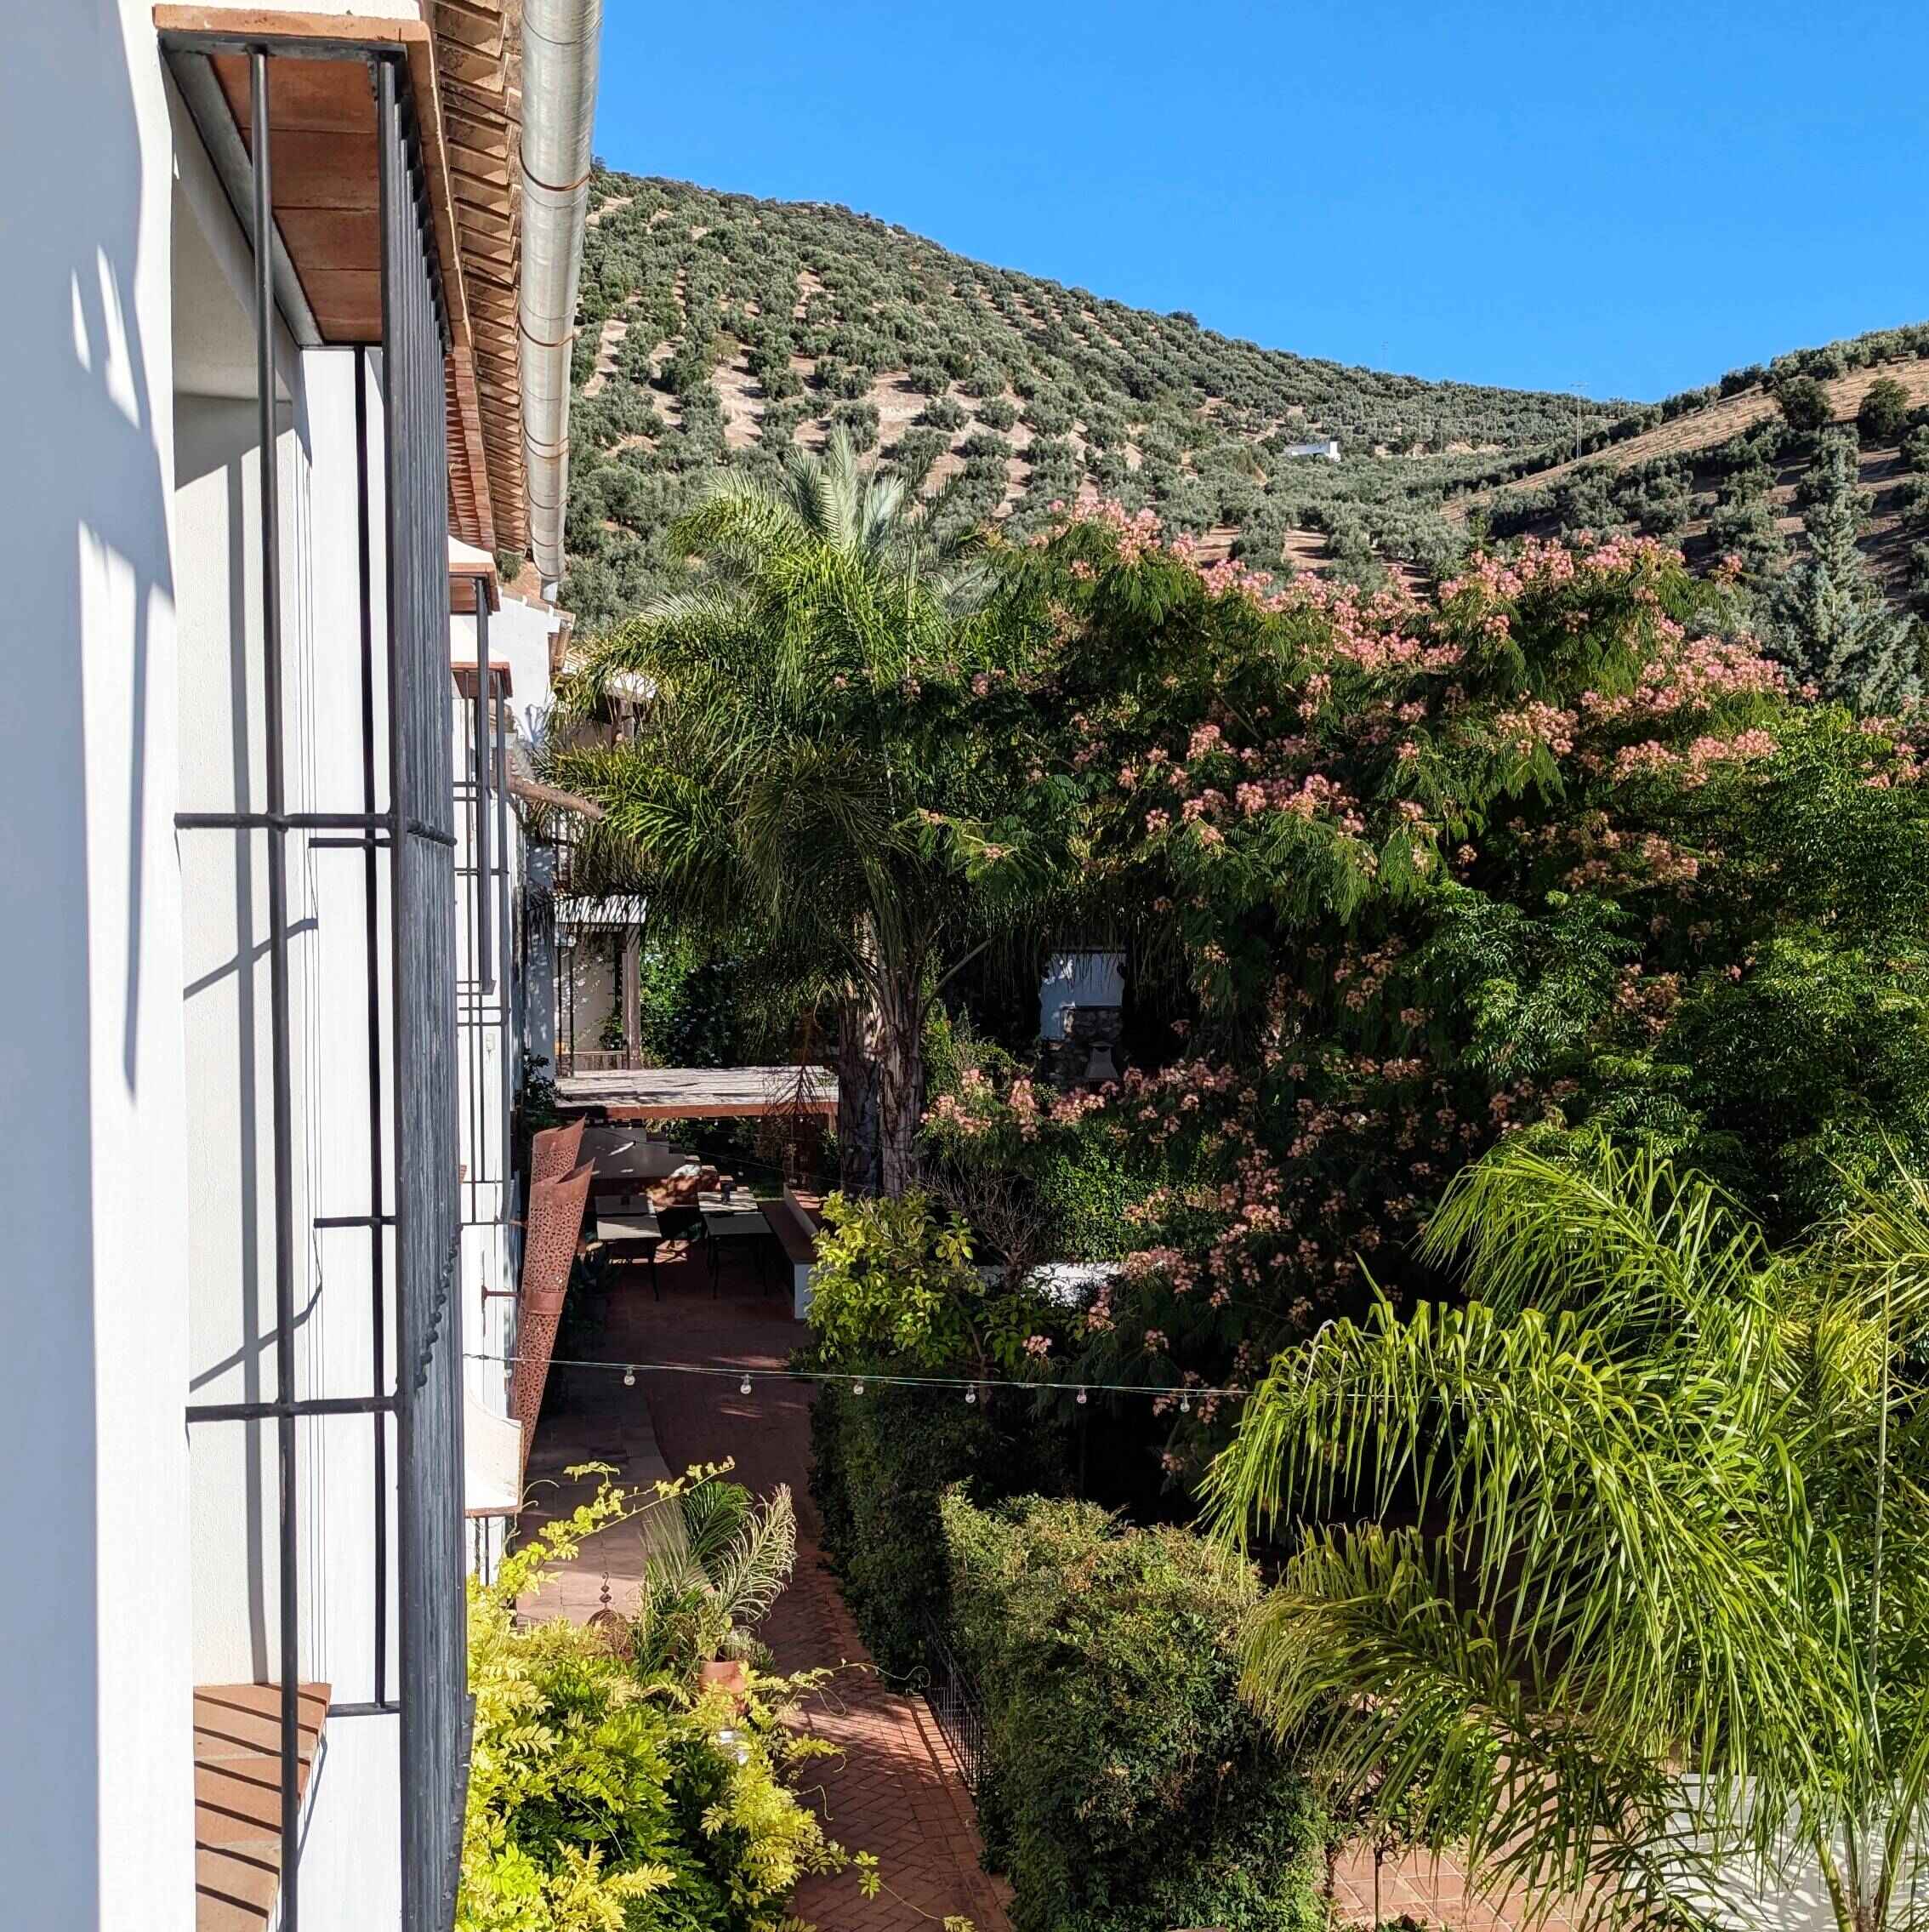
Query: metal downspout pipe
(559, 40)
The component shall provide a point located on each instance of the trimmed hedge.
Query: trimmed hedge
(880, 1465)
(1127, 1787)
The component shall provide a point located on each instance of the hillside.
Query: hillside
(1721, 472)
(717, 329)
(1707, 426)
(720, 330)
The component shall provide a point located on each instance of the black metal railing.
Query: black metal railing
(435, 1710)
(413, 1104)
(487, 992)
(952, 1692)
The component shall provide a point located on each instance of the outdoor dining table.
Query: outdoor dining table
(739, 1218)
(629, 1224)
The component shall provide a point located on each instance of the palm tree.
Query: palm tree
(1640, 1608)
(710, 1577)
(809, 777)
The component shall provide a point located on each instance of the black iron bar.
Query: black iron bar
(283, 1104)
(378, 1219)
(485, 965)
(308, 821)
(395, 442)
(505, 978)
(470, 1036)
(287, 1412)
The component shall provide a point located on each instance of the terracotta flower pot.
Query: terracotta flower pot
(725, 1675)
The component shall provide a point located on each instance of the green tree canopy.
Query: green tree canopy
(1405, 876)
(813, 768)
(1833, 626)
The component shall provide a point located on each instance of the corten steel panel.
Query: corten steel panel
(555, 1224)
(553, 1152)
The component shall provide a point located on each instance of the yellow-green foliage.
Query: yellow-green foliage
(605, 1797)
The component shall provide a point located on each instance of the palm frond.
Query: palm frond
(748, 1574)
(1652, 1614)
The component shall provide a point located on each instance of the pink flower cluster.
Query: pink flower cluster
(1652, 759)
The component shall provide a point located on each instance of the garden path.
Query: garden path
(1434, 1892)
(894, 1791)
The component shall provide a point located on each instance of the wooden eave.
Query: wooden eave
(479, 60)
(464, 676)
(327, 206)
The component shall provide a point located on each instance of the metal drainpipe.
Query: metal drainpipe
(559, 40)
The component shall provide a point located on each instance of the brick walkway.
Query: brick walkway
(894, 1791)
(1432, 1890)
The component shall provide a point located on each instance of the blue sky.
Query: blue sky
(1613, 195)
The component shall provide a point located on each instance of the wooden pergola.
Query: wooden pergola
(701, 1093)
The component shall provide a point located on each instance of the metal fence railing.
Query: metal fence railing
(952, 1692)
(435, 1710)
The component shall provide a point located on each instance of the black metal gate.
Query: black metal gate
(952, 1692)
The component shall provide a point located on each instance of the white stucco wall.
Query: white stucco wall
(519, 635)
(351, 1837)
(93, 1633)
(590, 967)
(137, 1189)
(225, 969)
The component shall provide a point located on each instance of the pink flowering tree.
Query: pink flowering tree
(1402, 876)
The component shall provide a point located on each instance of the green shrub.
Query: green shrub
(1804, 402)
(881, 1464)
(1127, 1787)
(689, 1008)
(858, 421)
(941, 413)
(607, 1788)
(913, 453)
(1884, 414)
(984, 444)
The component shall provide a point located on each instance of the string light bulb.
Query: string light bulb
(1081, 1392)
(726, 1735)
(743, 1387)
(743, 1754)
(1185, 1405)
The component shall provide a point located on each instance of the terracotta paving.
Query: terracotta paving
(893, 1792)
(237, 1798)
(1433, 1891)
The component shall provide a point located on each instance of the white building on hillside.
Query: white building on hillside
(261, 1030)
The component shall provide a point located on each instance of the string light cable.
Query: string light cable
(1184, 1393)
